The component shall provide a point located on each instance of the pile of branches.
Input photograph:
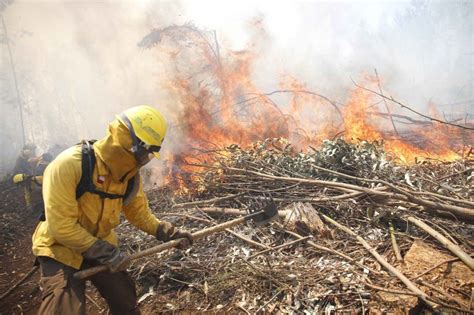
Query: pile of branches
(352, 222)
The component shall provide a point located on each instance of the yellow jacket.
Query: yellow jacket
(71, 225)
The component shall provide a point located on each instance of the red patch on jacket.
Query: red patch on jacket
(100, 179)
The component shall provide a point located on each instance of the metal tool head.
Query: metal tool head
(267, 212)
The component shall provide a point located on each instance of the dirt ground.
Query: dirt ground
(17, 224)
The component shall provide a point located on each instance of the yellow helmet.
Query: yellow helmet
(147, 128)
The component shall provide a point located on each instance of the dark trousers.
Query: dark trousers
(62, 294)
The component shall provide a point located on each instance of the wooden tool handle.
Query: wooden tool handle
(86, 273)
(83, 274)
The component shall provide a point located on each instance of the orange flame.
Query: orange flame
(218, 104)
(431, 142)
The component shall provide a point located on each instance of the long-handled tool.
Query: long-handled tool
(268, 213)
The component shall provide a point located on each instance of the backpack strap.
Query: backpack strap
(132, 189)
(86, 183)
(87, 166)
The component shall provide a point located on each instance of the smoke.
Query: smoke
(422, 49)
(78, 63)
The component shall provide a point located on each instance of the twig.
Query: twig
(441, 292)
(262, 273)
(279, 247)
(345, 306)
(172, 214)
(245, 239)
(295, 92)
(412, 294)
(427, 193)
(266, 303)
(389, 290)
(412, 110)
(455, 174)
(410, 285)
(451, 306)
(399, 190)
(409, 119)
(386, 105)
(31, 272)
(436, 266)
(335, 252)
(94, 302)
(203, 202)
(218, 56)
(459, 291)
(456, 250)
(431, 206)
(356, 194)
(188, 284)
(444, 233)
(471, 302)
(362, 304)
(223, 211)
(396, 250)
(318, 296)
(243, 309)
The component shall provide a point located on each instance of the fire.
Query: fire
(217, 103)
(356, 121)
(430, 142)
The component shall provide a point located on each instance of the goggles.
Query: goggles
(143, 152)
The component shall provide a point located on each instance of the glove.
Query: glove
(38, 180)
(187, 239)
(167, 232)
(107, 254)
(18, 178)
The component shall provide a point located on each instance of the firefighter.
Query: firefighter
(85, 189)
(24, 174)
(41, 162)
(24, 163)
(32, 183)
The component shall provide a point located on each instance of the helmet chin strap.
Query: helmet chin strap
(140, 154)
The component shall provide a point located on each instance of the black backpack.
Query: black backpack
(86, 184)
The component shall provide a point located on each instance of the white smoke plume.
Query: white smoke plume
(78, 63)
